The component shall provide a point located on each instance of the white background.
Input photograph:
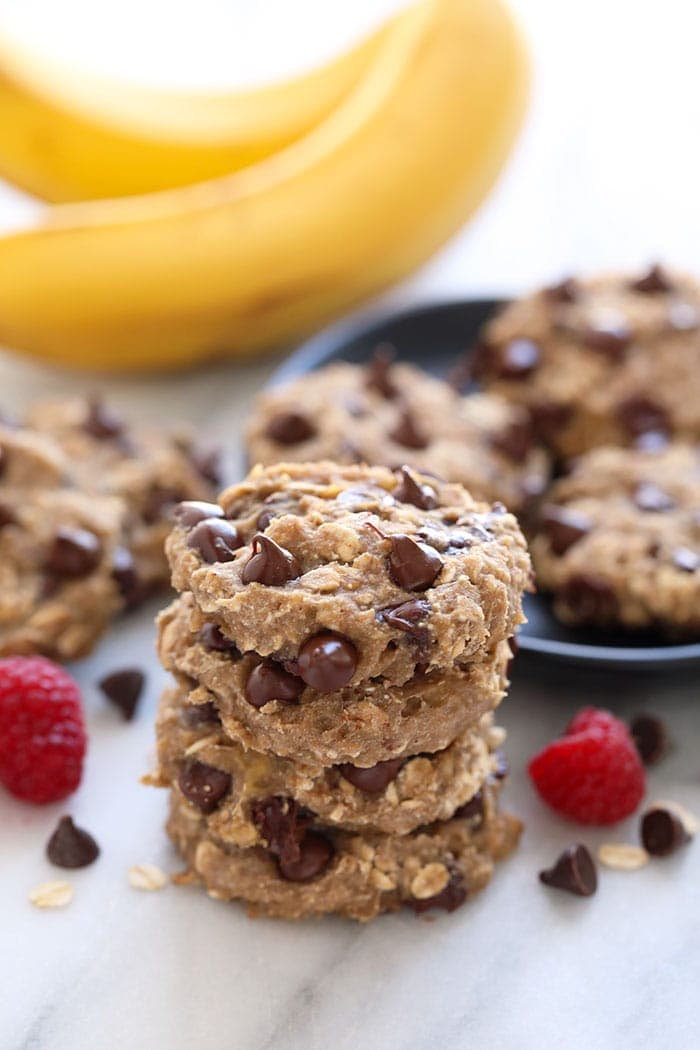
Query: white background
(606, 174)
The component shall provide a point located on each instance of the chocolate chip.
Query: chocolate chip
(653, 281)
(327, 662)
(548, 418)
(683, 317)
(70, 846)
(123, 688)
(281, 824)
(639, 415)
(270, 564)
(126, 577)
(378, 374)
(373, 779)
(501, 768)
(74, 552)
(574, 871)
(316, 853)
(609, 334)
(590, 598)
(650, 497)
(449, 899)
(290, 428)
(192, 511)
(414, 566)
(686, 560)
(215, 539)
(662, 832)
(652, 442)
(269, 681)
(407, 617)
(101, 422)
(518, 359)
(408, 433)
(159, 503)
(211, 637)
(472, 809)
(201, 714)
(650, 738)
(564, 527)
(207, 463)
(515, 440)
(411, 490)
(204, 786)
(7, 516)
(566, 291)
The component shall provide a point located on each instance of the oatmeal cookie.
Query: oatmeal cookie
(619, 540)
(395, 414)
(609, 360)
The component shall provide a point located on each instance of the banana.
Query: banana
(259, 258)
(67, 136)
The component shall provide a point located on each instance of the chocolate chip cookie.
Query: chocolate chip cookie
(394, 414)
(342, 575)
(394, 796)
(306, 869)
(610, 360)
(619, 540)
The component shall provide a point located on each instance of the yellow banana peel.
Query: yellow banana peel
(259, 258)
(70, 136)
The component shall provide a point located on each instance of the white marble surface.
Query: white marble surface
(606, 174)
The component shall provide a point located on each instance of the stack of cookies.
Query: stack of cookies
(338, 647)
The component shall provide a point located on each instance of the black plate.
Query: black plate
(435, 337)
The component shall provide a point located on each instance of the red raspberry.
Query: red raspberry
(43, 740)
(593, 774)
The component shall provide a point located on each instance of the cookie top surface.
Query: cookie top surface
(600, 361)
(619, 540)
(338, 571)
(399, 414)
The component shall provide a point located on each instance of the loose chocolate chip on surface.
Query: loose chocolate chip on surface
(650, 738)
(215, 539)
(472, 809)
(414, 566)
(609, 334)
(327, 662)
(123, 689)
(653, 281)
(282, 825)
(7, 516)
(408, 617)
(411, 490)
(650, 497)
(548, 418)
(565, 292)
(515, 441)
(204, 786)
(126, 577)
(662, 832)
(378, 374)
(449, 899)
(373, 779)
(683, 317)
(408, 433)
(518, 359)
(589, 597)
(269, 681)
(640, 415)
(70, 846)
(192, 511)
(270, 564)
(201, 714)
(102, 422)
(290, 428)
(212, 638)
(564, 527)
(74, 552)
(574, 871)
(686, 560)
(315, 854)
